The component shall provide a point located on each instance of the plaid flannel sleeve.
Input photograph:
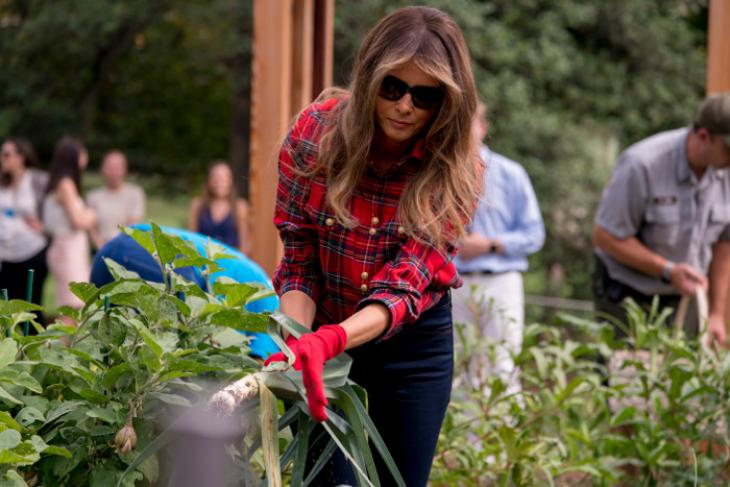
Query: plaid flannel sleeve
(299, 268)
(413, 282)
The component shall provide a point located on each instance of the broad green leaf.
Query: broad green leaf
(144, 239)
(9, 439)
(7, 456)
(11, 478)
(111, 330)
(216, 252)
(174, 375)
(57, 451)
(105, 414)
(191, 262)
(20, 378)
(8, 351)
(83, 290)
(263, 293)
(148, 338)
(238, 319)
(236, 294)
(118, 271)
(14, 306)
(165, 246)
(63, 409)
(8, 421)
(29, 415)
(5, 395)
(112, 375)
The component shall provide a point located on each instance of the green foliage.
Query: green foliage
(658, 416)
(136, 351)
(567, 84)
(83, 405)
(151, 77)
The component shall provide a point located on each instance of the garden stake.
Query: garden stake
(5, 298)
(106, 304)
(29, 298)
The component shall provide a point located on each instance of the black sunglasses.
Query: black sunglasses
(423, 97)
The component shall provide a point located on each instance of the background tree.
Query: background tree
(568, 84)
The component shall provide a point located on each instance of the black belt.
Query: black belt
(477, 273)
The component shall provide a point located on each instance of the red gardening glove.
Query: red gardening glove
(311, 351)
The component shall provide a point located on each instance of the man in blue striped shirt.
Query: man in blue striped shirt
(506, 228)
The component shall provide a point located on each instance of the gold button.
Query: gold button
(401, 229)
(373, 231)
(329, 222)
(375, 220)
(364, 288)
(364, 275)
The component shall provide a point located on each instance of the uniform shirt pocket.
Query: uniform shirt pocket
(662, 225)
(718, 228)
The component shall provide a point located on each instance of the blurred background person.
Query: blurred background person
(219, 213)
(117, 203)
(23, 243)
(67, 219)
(506, 228)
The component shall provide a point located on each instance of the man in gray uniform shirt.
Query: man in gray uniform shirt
(663, 224)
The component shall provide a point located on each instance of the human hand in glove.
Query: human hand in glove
(311, 351)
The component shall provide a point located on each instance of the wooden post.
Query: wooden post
(292, 58)
(270, 114)
(324, 31)
(302, 49)
(718, 47)
(718, 61)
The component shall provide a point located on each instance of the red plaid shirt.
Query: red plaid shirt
(343, 269)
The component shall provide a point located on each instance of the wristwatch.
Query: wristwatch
(666, 275)
(493, 248)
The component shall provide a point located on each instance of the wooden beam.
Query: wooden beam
(718, 62)
(270, 116)
(324, 32)
(302, 49)
(292, 63)
(718, 47)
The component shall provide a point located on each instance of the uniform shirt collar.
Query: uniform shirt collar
(684, 173)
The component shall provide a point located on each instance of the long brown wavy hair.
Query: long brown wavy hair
(439, 200)
(65, 163)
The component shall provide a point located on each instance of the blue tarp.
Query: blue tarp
(125, 251)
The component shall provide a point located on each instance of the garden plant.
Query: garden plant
(664, 424)
(90, 404)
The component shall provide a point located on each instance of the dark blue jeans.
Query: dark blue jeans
(408, 380)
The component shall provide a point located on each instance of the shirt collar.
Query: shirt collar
(684, 173)
(410, 161)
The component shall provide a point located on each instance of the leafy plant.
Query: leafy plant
(84, 405)
(665, 424)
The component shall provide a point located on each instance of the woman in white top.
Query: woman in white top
(67, 220)
(22, 241)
